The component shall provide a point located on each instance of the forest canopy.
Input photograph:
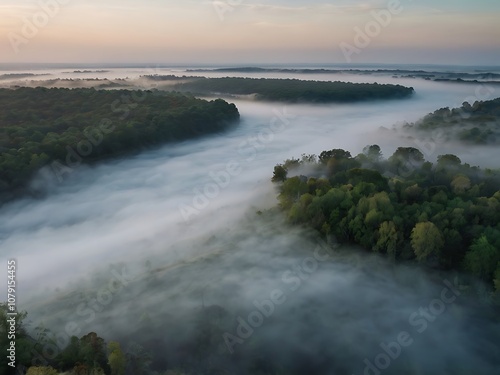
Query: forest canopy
(478, 123)
(289, 90)
(445, 214)
(45, 126)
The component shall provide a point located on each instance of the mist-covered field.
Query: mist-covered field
(172, 249)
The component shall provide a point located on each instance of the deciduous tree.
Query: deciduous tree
(426, 240)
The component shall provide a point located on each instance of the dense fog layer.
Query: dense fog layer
(156, 248)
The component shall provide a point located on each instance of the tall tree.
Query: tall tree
(116, 358)
(482, 258)
(426, 240)
(373, 153)
(387, 238)
(41, 370)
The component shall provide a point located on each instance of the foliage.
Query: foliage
(42, 126)
(388, 238)
(471, 124)
(291, 90)
(279, 174)
(426, 240)
(497, 278)
(447, 214)
(83, 355)
(90, 355)
(482, 259)
(41, 370)
(116, 358)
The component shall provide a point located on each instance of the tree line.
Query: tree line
(289, 90)
(87, 355)
(39, 126)
(478, 123)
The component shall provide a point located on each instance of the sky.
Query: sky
(459, 32)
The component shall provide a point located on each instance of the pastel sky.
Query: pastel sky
(245, 31)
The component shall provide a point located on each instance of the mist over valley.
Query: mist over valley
(181, 254)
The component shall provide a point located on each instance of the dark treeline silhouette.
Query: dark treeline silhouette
(290, 90)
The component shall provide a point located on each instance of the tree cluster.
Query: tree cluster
(39, 126)
(445, 214)
(88, 355)
(40, 353)
(295, 90)
(473, 124)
